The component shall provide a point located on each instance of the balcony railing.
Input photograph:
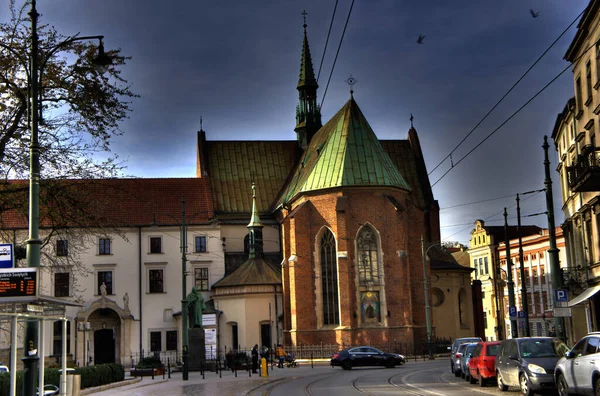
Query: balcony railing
(584, 175)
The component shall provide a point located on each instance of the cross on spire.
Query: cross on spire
(411, 120)
(304, 14)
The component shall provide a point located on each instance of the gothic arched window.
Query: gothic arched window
(368, 267)
(329, 280)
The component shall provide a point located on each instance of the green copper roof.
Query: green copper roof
(343, 153)
(307, 74)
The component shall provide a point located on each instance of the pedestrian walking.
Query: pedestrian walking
(280, 354)
(255, 358)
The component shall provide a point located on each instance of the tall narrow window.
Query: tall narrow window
(156, 281)
(234, 336)
(155, 245)
(62, 248)
(106, 278)
(578, 95)
(201, 278)
(485, 265)
(61, 284)
(329, 280)
(155, 341)
(104, 246)
(200, 244)
(368, 272)
(588, 81)
(171, 340)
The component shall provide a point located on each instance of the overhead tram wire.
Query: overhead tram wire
(532, 194)
(476, 202)
(506, 94)
(337, 53)
(515, 113)
(327, 41)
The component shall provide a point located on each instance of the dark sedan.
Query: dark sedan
(365, 356)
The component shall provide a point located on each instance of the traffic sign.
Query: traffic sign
(7, 255)
(560, 295)
(512, 312)
(521, 315)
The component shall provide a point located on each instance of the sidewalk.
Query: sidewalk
(213, 384)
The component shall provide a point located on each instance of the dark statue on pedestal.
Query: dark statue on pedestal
(196, 342)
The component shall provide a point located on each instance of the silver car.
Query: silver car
(579, 371)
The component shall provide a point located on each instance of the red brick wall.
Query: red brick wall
(344, 212)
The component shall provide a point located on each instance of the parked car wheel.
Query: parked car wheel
(482, 381)
(597, 387)
(562, 386)
(501, 386)
(456, 373)
(347, 365)
(462, 375)
(390, 364)
(472, 379)
(525, 389)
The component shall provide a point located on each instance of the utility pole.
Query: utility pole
(427, 306)
(495, 285)
(522, 273)
(557, 282)
(511, 285)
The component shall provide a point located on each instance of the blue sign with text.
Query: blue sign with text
(7, 257)
(512, 312)
(560, 295)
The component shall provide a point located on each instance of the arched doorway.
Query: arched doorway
(105, 326)
(104, 346)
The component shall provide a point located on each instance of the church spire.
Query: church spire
(308, 114)
(255, 239)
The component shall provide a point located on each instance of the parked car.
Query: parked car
(482, 365)
(4, 369)
(457, 356)
(454, 348)
(578, 372)
(365, 356)
(464, 360)
(529, 363)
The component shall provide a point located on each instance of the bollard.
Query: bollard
(235, 369)
(220, 369)
(249, 372)
(169, 368)
(311, 361)
(202, 369)
(152, 372)
(264, 368)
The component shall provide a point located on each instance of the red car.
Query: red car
(482, 365)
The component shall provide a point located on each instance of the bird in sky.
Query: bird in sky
(533, 13)
(420, 39)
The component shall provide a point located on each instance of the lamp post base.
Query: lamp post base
(30, 375)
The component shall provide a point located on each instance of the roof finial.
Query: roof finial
(253, 190)
(411, 120)
(351, 81)
(304, 14)
(200, 123)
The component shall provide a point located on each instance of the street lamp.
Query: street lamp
(426, 287)
(184, 302)
(34, 82)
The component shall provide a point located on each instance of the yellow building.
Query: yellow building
(484, 258)
(576, 139)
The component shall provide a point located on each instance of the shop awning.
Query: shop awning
(587, 293)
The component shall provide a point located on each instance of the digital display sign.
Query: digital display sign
(18, 284)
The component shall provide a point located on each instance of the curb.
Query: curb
(246, 393)
(119, 384)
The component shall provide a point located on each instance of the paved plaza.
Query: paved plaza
(224, 383)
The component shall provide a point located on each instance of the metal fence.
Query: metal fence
(223, 357)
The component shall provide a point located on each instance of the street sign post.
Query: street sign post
(512, 312)
(561, 299)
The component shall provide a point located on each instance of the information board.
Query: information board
(7, 255)
(18, 284)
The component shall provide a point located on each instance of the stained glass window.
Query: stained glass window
(329, 281)
(368, 270)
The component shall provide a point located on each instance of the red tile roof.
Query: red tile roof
(108, 202)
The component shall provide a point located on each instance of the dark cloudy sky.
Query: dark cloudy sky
(236, 63)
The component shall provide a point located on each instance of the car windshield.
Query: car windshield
(492, 350)
(543, 348)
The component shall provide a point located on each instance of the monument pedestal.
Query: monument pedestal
(196, 348)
